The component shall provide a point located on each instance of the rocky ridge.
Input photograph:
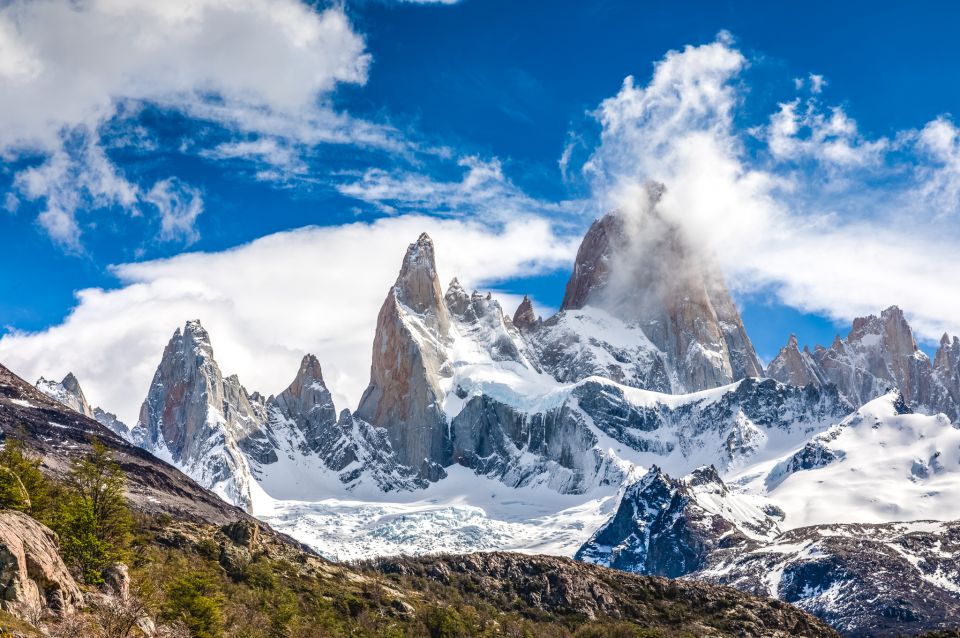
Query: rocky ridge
(69, 393)
(877, 354)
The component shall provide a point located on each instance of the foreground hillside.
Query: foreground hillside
(196, 566)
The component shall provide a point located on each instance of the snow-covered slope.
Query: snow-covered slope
(880, 464)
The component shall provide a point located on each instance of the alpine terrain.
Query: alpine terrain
(635, 429)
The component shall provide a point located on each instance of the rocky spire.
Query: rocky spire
(203, 423)
(794, 367)
(642, 270)
(67, 392)
(946, 365)
(308, 404)
(524, 318)
(418, 286)
(405, 394)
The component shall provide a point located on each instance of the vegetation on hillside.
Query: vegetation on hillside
(241, 581)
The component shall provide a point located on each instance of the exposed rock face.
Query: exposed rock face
(560, 446)
(878, 353)
(405, 395)
(67, 392)
(795, 367)
(307, 406)
(110, 420)
(946, 366)
(33, 578)
(668, 527)
(205, 424)
(556, 448)
(643, 272)
(897, 579)
(524, 318)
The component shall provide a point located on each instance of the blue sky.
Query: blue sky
(413, 100)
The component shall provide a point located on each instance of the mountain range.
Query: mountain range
(636, 428)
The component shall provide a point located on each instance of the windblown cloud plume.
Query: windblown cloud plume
(802, 217)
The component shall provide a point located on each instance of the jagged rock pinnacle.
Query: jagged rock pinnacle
(524, 318)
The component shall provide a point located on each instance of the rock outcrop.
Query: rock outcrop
(879, 353)
(305, 410)
(524, 318)
(668, 527)
(946, 367)
(33, 579)
(405, 395)
(67, 392)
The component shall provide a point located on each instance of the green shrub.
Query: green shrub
(92, 516)
(195, 599)
(22, 486)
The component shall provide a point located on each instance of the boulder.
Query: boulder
(33, 577)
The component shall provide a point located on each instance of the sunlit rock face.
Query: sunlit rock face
(409, 352)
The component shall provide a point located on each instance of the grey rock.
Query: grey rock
(878, 354)
(641, 270)
(33, 578)
(306, 406)
(206, 424)
(666, 527)
(67, 392)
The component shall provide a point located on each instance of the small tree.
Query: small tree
(22, 486)
(92, 518)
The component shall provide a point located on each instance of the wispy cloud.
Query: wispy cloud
(482, 192)
(69, 71)
(179, 205)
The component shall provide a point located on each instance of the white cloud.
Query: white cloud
(817, 82)
(940, 179)
(74, 176)
(179, 206)
(801, 130)
(843, 250)
(255, 66)
(482, 191)
(268, 303)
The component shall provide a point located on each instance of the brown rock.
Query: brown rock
(409, 351)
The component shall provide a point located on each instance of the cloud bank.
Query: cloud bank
(268, 303)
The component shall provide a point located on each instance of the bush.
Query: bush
(195, 600)
(22, 486)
